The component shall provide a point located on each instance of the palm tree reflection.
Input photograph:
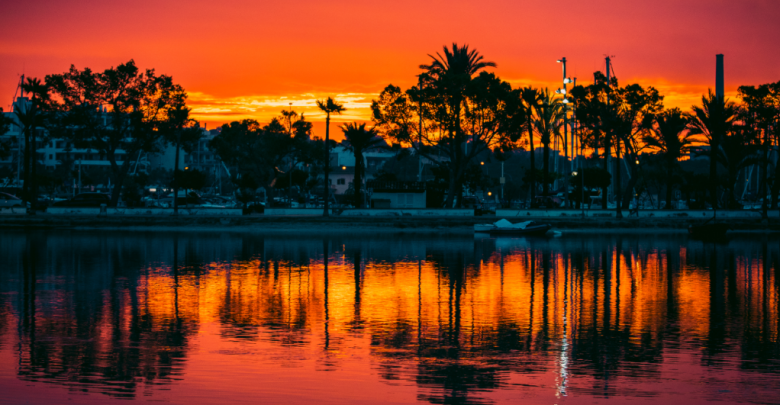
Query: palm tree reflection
(459, 318)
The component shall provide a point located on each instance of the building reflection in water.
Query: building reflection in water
(463, 320)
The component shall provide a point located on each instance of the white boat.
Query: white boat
(504, 227)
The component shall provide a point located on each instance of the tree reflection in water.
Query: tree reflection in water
(462, 319)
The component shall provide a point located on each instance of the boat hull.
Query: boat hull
(532, 230)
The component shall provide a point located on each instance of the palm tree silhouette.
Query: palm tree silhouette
(738, 150)
(531, 98)
(28, 115)
(669, 138)
(458, 61)
(451, 73)
(328, 106)
(360, 140)
(548, 124)
(713, 120)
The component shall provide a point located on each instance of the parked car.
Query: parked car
(85, 200)
(10, 201)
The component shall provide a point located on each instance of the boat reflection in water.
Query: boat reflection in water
(203, 318)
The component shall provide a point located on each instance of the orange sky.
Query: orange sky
(241, 58)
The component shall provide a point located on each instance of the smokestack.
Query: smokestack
(719, 75)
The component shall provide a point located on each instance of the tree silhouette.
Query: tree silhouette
(462, 116)
(460, 61)
(183, 132)
(118, 112)
(531, 99)
(360, 140)
(712, 121)
(761, 112)
(328, 106)
(668, 136)
(548, 123)
(32, 116)
(738, 150)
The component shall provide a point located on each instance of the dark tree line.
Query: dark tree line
(457, 112)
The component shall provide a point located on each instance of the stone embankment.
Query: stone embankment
(416, 221)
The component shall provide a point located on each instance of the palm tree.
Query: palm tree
(27, 116)
(451, 73)
(458, 61)
(531, 98)
(328, 106)
(738, 150)
(548, 124)
(713, 120)
(182, 131)
(360, 140)
(668, 138)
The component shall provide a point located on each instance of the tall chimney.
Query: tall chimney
(719, 75)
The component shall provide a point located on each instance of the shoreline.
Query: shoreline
(335, 224)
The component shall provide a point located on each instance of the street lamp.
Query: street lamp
(566, 140)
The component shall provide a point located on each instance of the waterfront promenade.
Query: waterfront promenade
(429, 220)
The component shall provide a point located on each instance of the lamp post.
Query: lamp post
(566, 141)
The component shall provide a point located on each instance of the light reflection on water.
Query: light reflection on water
(204, 318)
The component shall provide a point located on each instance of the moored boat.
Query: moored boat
(504, 227)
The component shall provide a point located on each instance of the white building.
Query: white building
(55, 152)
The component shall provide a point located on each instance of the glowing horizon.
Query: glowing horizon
(241, 59)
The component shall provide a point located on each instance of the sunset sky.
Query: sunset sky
(249, 59)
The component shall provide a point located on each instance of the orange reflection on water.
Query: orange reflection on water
(471, 321)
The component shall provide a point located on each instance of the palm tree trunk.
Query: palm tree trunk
(765, 176)
(618, 182)
(451, 192)
(546, 168)
(358, 181)
(604, 190)
(714, 144)
(776, 184)
(630, 186)
(326, 212)
(177, 179)
(669, 180)
(533, 162)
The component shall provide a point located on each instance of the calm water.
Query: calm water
(93, 317)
